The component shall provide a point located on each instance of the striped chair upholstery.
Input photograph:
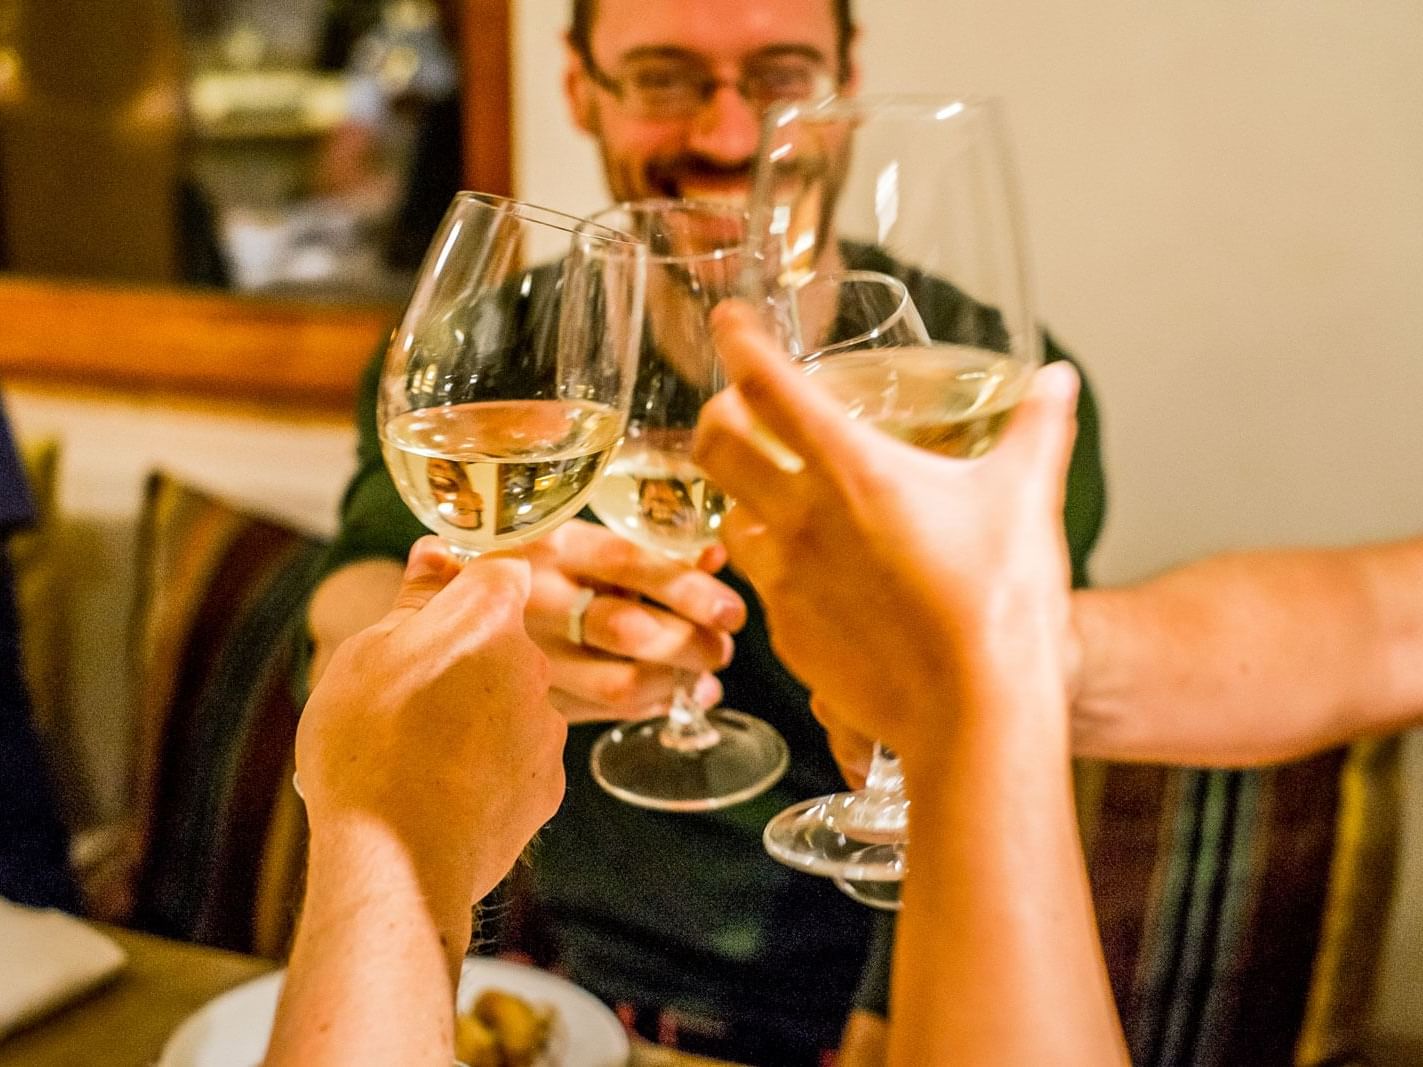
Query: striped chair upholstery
(220, 832)
(39, 594)
(1242, 912)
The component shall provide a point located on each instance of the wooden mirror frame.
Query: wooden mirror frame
(212, 346)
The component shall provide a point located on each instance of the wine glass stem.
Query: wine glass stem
(881, 810)
(885, 780)
(687, 728)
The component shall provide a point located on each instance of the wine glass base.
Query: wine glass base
(637, 765)
(881, 895)
(819, 836)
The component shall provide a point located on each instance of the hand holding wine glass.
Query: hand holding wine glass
(937, 617)
(921, 560)
(919, 189)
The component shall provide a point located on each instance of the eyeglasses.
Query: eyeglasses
(672, 88)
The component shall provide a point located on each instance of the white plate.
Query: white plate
(232, 1030)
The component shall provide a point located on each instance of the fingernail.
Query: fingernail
(707, 691)
(729, 615)
(771, 446)
(728, 650)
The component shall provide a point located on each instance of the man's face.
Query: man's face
(707, 154)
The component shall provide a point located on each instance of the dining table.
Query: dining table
(126, 1022)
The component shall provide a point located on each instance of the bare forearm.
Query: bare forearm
(997, 959)
(373, 970)
(346, 602)
(1252, 657)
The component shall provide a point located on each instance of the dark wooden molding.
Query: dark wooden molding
(486, 66)
(200, 345)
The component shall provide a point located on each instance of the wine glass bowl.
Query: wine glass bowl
(505, 388)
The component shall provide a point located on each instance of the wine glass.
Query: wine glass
(506, 386)
(692, 758)
(920, 189)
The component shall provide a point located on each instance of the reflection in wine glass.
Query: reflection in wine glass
(455, 499)
(665, 503)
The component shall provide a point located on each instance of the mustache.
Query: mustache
(669, 174)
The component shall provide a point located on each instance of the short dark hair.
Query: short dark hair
(580, 31)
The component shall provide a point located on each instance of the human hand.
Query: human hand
(436, 722)
(652, 618)
(888, 572)
(852, 750)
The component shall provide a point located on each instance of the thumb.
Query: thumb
(1044, 425)
(429, 569)
(493, 588)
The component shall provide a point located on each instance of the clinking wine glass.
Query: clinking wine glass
(921, 190)
(506, 386)
(691, 759)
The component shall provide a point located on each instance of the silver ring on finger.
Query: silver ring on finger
(576, 613)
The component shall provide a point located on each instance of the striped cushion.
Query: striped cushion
(39, 585)
(1242, 912)
(215, 631)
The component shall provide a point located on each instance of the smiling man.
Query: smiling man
(673, 93)
(681, 921)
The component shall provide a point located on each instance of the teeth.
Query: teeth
(729, 197)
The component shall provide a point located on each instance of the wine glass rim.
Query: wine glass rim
(901, 308)
(552, 218)
(896, 105)
(652, 205)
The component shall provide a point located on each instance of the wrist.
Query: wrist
(1000, 693)
(353, 856)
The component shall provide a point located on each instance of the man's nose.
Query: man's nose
(727, 127)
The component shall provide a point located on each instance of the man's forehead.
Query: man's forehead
(716, 28)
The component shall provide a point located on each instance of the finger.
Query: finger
(727, 448)
(487, 592)
(640, 631)
(755, 552)
(429, 569)
(1044, 424)
(575, 709)
(617, 686)
(852, 756)
(801, 415)
(712, 559)
(853, 751)
(600, 556)
(707, 693)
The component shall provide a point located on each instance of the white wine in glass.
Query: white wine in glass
(655, 496)
(505, 389)
(499, 472)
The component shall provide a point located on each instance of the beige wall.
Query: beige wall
(1226, 206)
